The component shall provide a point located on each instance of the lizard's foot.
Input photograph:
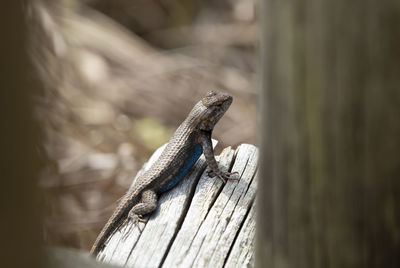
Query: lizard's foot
(135, 219)
(224, 176)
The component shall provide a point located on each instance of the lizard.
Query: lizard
(191, 139)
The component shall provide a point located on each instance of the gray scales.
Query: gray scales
(193, 211)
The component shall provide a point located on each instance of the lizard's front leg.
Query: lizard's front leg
(211, 162)
(148, 203)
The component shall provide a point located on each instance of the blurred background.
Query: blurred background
(120, 77)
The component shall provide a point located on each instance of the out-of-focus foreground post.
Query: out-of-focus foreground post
(331, 134)
(20, 142)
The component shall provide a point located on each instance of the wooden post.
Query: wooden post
(20, 142)
(330, 169)
(200, 222)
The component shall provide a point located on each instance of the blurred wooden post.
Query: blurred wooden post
(331, 134)
(20, 143)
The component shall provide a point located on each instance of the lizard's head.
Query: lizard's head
(212, 107)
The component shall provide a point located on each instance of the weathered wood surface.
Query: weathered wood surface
(199, 223)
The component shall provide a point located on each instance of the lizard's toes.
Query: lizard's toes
(140, 219)
(225, 176)
(137, 219)
(222, 177)
(231, 176)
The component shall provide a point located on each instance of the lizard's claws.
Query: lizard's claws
(224, 176)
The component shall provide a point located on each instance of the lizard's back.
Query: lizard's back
(175, 161)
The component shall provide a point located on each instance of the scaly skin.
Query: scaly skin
(190, 140)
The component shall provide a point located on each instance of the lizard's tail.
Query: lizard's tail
(113, 224)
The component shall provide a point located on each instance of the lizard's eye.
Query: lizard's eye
(211, 93)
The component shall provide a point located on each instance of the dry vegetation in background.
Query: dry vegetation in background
(120, 77)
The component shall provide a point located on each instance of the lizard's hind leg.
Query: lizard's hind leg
(148, 203)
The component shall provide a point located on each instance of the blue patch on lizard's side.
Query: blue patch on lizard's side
(189, 163)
